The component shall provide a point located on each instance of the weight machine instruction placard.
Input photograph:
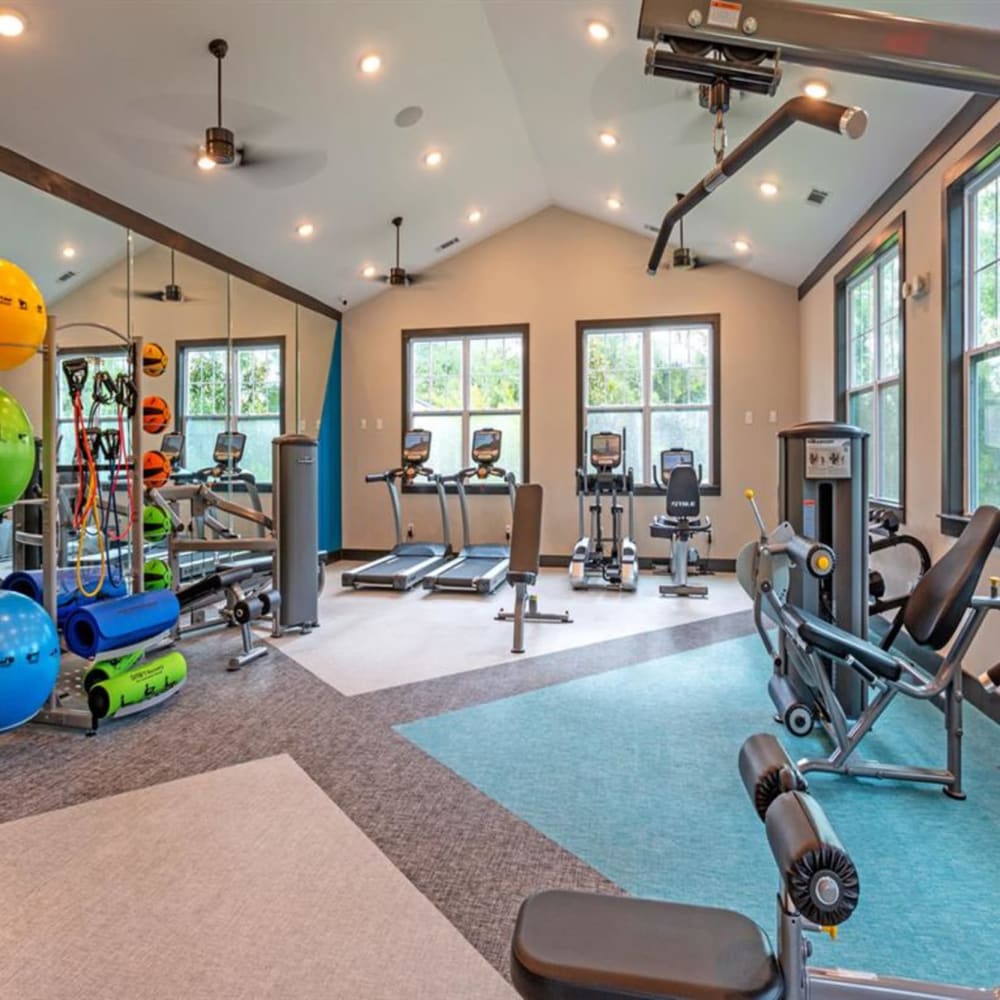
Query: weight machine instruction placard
(828, 458)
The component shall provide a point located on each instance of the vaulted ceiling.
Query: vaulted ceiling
(512, 92)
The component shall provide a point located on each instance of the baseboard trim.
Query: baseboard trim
(364, 554)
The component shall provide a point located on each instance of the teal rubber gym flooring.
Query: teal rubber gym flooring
(634, 771)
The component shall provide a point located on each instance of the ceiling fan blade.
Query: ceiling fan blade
(417, 279)
(279, 168)
(122, 293)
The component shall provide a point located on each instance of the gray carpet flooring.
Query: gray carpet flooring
(470, 857)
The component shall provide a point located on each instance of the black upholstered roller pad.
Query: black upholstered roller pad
(811, 859)
(579, 946)
(763, 761)
(829, 638)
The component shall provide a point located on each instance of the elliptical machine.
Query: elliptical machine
(599, 560)
(682, 521)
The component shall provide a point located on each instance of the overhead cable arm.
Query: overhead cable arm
(838, 118)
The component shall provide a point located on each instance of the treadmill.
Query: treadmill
(409, 562)
(479, 568)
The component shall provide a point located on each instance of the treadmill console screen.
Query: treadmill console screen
(486, 446)
(416, 447)
(171, 446)
(673, 459)
(229, 447)
(606, 451)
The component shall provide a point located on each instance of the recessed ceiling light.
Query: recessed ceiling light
(598, 31)
(205, 162)
(69, 252)
(11, 24)
(369, 271)
(614, 203)
(305, 229)
(608, 139)
(475, 215)
(434, 158)
(370, 63)
(768, 189)
(816, 89)
(741, 246)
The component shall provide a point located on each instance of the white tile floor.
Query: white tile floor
(375, 639)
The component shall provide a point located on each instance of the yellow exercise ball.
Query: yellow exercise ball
(22, 316)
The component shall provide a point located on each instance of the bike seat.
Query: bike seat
(581, 946)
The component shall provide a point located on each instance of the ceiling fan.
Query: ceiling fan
(398, 275)
(171, 292)
(220, 148)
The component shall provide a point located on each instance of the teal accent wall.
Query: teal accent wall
(331, 534)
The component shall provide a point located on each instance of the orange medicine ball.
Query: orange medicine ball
(155, 468)
(155, 414)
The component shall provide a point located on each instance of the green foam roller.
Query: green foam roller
(110, 668)
(108, 698)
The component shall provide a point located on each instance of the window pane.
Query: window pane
(199, 440)
(860, 413)
(260, 432)
(681, 366)
(985, 326)
(986, 225)
(510, 445)
(889, 446)
(495, 373)
(446, 442)
(634, 446)
(437, 374)
(985, 423)
(614, 368)
(861, 306)
(259, 382)
(206, 382)
(682, 429)
(889, 291)
(890, 348)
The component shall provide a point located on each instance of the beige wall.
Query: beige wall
(923, 206)
(549, 271)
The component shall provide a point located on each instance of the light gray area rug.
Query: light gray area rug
(246, 882)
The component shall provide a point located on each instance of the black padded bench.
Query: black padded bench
(580, 946)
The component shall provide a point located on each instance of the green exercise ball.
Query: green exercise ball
(156, 523)
(156, 575)
(17, 450)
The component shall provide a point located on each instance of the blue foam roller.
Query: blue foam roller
(29, 583)
(122, 621)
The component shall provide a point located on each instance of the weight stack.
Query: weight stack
(296, 522)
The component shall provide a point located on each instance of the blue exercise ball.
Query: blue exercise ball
(29, 658)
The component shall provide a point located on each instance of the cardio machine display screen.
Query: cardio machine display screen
(605, 450)
(172, 445)
(416, 447)
(229, 447)
(486, 446)
(670, 460)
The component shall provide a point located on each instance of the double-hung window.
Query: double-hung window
(871, 363)
(231, 389)
(658, 379)
(981, 348)
(459, 380)
(971, 433)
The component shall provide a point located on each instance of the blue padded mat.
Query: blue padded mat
(634, 771)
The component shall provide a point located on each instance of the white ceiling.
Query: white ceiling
(117, 95)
